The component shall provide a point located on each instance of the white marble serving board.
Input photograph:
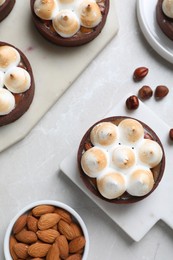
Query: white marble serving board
(54, 67)
(138, 218)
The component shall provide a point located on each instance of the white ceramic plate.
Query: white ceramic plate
(146, 14)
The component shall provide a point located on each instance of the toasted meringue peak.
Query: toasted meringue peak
(66, 23)
(104, 133)
(111, 185)
(167, 7)
(2, 2)
(1, 79)
(66, 1)
(7, 102)
(45, 9)
(9, 57)
(123, 157)
(89, 12)
(150, 153)
(94, 161)
(140, 182)
(131, 131)
(17, 80)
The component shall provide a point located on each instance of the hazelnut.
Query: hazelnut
(161, 91)
(132, 102)
(140, 73)
(171, 134)
(145, 92)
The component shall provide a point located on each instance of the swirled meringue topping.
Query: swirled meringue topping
(66, 23)
(1, 79)
(121, 149)
(89, 13)
(2, 2)
(140, 182)
(94, 161)
(9, 57)
(131, 131)
(167, 7)
(17, 80)
(104, 134)
(45, 9)
(111, 185)
(7, 102)
(123, 157)
(150, 153)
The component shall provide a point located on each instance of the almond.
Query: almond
(48, 235)
(21, 250)
(55, 227)
(12, 242)
(66, 230)
(74, 257)
(19, 224)
(38, 249)
(27, 237)
(42, 209)
(63, 246)
(65, 215)
(76, 244)
(53, 253)
(48, 220)
(32, 223)
(77, 229)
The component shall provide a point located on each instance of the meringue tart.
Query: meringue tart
(164, 17)
(6, 7)
(16, 84)
(69, 22)
(121, 160)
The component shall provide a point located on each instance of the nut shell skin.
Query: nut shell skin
(171, 134)
(132, 102)
(145, 92)
(140, 73)
(161, 91)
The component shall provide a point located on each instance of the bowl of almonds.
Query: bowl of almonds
(48, 230)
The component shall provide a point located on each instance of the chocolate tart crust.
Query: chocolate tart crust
(6, 8)
(77, 39)
(22, 100)
(126, 198)
(165, 23)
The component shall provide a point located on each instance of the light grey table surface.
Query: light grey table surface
(29, 170)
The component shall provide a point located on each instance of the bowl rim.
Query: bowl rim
(47, 202)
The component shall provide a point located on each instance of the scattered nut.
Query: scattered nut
(171, 134)
(161, 91)
(140, 73)
(88, 146)
(145, 92)
(132, 102)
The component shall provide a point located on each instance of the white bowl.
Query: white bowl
(47, 202)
